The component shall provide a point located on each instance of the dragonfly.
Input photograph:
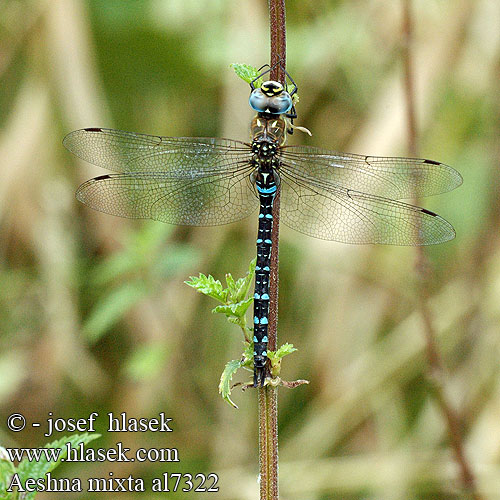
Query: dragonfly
(197, 181)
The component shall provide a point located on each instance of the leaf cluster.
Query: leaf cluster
(35, 469)
(234, 297)
(234, 305)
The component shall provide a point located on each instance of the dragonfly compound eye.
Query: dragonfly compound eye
(275, 105)
(258, 101)
(279, 104)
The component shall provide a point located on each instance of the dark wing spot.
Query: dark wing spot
(101, 177)
(432, 162)
(428, 212)
(93, 129)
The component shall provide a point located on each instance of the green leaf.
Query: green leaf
(225, 381)
(248, 356)
(239, 309)
(284, 350)
(231, 286)
(247, 73)
(38, 469)
(241, 322)
(111, 308)
(276, 356)
(7, 469)
(235, 292)
(208, 285)
(243, 285)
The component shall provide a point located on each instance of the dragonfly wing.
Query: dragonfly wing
(396, 178)
(181, 156)
(203, 201)
(350, 216)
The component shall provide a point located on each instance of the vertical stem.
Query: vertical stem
(264, 473)
(278, 38)
(278, 53)
(411, 120)
(268, 395)
(436, 370)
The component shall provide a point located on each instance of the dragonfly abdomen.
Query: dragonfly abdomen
(266, 185)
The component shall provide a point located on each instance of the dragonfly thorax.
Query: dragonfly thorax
(265, 162)
(269, 129)
(264, 148)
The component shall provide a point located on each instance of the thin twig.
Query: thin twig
(436, 370)
(268, 395)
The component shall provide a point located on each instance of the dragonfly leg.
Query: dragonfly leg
(259, 376)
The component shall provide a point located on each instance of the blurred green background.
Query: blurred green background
(94, 315)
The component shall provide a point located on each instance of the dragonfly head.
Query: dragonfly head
(271, 98)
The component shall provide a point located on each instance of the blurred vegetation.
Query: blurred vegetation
(94, 313)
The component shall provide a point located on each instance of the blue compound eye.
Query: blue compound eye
(279, 104)
(258, 101)
(275, 105)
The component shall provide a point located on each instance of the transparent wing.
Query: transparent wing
(349, 216)
(179, 156)
(203, 201)
(396, 178)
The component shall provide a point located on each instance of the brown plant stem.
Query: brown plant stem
(268, 395)
(436, 372)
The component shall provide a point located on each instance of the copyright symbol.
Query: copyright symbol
(16, 422)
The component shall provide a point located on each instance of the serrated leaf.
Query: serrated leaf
(275, 357)
(241, 322)
(239, 309)
(208, 285)
(7, 469)
(5, 481)
(111, 308)
(243, 284)
(248, 356)
(284, 350)
(225, 381)
(247, 73)
(231, 285)
(38, 469)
